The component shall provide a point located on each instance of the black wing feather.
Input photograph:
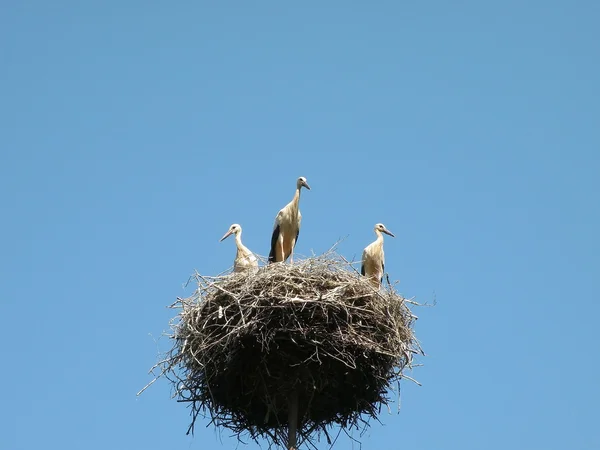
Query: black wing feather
(362, 270)
(274, 239)
(382, 271)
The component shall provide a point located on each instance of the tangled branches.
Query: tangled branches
(312, 339)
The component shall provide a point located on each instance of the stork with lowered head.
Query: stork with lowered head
(244, 258)
(287, 227)
(373, 258)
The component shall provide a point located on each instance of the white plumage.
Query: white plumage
(373, 257)
(287, 227)
(244, 258)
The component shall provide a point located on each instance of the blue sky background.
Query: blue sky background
(133, 134)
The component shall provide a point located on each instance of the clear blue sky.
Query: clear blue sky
(134, 133)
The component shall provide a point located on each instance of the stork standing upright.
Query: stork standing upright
(373, 258)
(287, 227)
(244, 258)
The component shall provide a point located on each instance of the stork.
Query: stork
(287, 227)
(244, 258)
(373, 259)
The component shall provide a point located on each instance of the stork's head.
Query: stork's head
(236, 228)
(302, 183)
(381, 227)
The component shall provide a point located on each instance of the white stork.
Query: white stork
(373, 259)
(244, 258)
(287, 227)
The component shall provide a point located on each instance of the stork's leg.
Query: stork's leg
(282, 252)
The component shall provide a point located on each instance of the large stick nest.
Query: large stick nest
(244, 342)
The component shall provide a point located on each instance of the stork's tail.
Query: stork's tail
(274, 239)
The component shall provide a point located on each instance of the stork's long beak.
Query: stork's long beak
(388, 233)
(306, 186)
(226, 235)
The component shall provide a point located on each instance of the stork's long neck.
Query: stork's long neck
(296, 200)
(379, 239)
(238, 241)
